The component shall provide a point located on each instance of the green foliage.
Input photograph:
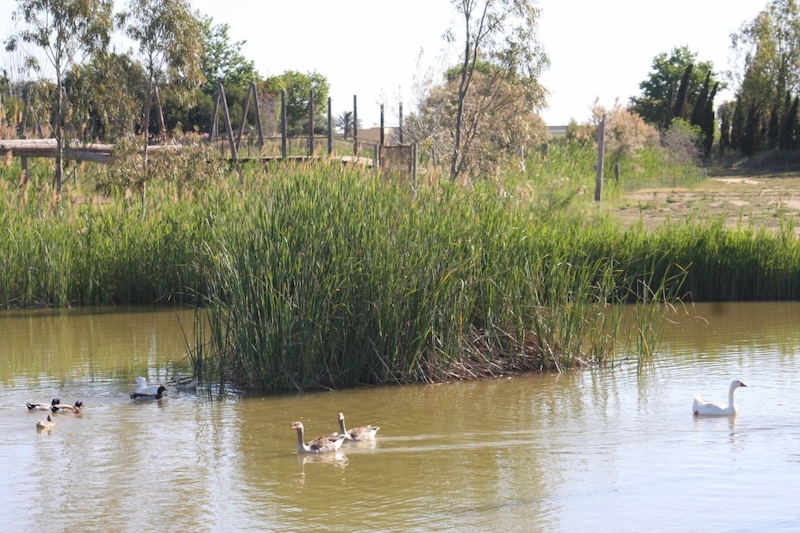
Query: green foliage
(106, 97)
(659, 98)
(298, 87)
(222, 60)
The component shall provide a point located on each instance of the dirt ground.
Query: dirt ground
(761, 200)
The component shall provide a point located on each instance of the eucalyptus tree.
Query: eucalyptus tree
(503, 33)
(170, 46)
(65, 31)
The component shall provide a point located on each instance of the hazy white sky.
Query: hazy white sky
(372, 47)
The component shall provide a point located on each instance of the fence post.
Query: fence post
(355, 125)
(598, 183)
(414, 163)
(400, 129)
(283, 124)
(616, 172)
(311, 123)
(330, 127)
(382, 140)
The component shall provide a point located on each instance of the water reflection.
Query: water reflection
(589, 451)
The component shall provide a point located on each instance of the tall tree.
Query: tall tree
(659, 91)
(222, 60)
(505, 34)
(64, 30)
(767, 52)
(344, 122)
(169, 38)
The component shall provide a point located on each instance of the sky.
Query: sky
(379, 49)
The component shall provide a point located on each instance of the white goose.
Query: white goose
(357, 434)
(701, 408)
(329, 443)
(143, 388)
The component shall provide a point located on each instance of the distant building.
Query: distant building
(557, 131)
(373, 135)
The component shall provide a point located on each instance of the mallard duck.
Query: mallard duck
(329, 443)
(59, 408)
(701, 408)
(362, 433)
(43, 406)
(144, 396)
(183, 384)
(45, 424)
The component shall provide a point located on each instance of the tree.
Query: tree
(344, 122)
(63, 29)
(298, 87)
(504, 34)
(170, 46)
(106, 94)
(767, 52)
(659, 97)
(222, 60)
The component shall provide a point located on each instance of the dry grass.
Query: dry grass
(760, 200)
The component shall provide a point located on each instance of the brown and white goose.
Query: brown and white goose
(329, 443)
(45, 425)
(358, 434)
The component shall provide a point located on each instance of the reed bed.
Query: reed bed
(309, 276)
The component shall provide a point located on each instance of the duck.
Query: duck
(144, 396)
(45, 424)
(183, 384)
(144, 388)
(357, 434)
(43, 406)
(77, 408)
(701, 408)
(329, 443)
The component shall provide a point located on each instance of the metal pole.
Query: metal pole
(330, 127)
(311, 123)
(400, 129)
(355, 125)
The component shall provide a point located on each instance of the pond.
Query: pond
(600, 450)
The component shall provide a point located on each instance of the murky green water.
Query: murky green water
(589, 451)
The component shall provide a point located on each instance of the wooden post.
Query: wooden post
(382, 140)
(213, 127)
(283, 124)
(23, 126)
(616, 172)
(400, 132)
(598, 183)
(162, 129)
(330, 127)
(414, 163)
(311, 123)
(227, 116)
(355, 126)
(254, 88)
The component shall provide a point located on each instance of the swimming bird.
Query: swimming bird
(143, 396)
(59, 408)
(329, 443)
(144, 388)
(183, 384)
(43, 406)
(362, 433)
(45, 424)
(701, 408)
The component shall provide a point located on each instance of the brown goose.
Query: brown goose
(329, 443)
(362, 433)
(45, 425)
